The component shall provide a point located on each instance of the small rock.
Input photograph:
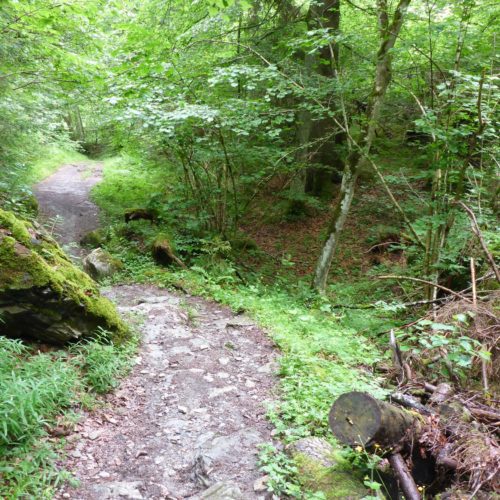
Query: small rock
(95, 435)
(314, 448)
(100, 264)
(223, 491)
(249, 383)
(66, 495)
(224, 361)
(128, 490)
(182, 409)
(218, 391)
(104, 474)
(239, 321)
(260, 485)
(267, 368)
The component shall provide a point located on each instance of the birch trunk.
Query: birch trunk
(388, 36)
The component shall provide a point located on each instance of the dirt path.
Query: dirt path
(64, 199)
(187, 421)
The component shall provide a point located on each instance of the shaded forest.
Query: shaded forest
(328, 168)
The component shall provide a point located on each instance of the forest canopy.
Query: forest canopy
(330, 166)
(238, 94)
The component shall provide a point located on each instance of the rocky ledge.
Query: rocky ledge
(43, 296)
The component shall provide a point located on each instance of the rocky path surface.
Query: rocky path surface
(64, 200)
(187, 421)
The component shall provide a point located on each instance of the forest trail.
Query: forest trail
(192, 411)
(64, 199)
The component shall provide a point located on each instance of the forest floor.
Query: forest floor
(192, 411)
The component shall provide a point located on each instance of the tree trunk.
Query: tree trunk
(354, 163)
(324, 15)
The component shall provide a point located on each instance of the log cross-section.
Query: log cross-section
(356, 418)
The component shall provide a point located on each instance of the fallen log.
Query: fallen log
(357, 418)
(444, 432)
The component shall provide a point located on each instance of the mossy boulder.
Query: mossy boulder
(101, 264)
(44, 296)
(322, 468)
(94, 239)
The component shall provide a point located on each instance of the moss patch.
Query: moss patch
(32, 266)
(333, 482)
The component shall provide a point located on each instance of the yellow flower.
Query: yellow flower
(358, 449)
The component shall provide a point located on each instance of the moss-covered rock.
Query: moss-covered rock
(94, 239)
(322, 468)
(101, 264)
(42, 294)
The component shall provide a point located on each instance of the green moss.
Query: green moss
(15, 226)
(94, 239)
(28, 261)
(333, 482)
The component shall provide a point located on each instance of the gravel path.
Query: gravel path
(187, 421)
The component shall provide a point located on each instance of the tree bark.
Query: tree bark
(354, 163)
(356, 418)
(405, 479)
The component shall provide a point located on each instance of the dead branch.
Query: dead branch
(477, 232)
(419, 280)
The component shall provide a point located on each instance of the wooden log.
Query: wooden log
(132, 214)
(356, 418)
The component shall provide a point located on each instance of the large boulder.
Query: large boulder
(101, 264)
(44, 296)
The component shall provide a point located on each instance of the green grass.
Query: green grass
(48, 160)
(128, 183)
(37, 389)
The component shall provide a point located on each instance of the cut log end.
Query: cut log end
(356, 418)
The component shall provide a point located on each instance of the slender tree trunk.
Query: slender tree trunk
(324, 14)
(297, 186)
(354, 163)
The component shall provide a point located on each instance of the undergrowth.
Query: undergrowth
(16, 181)
(324, 350)
(38, 389)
